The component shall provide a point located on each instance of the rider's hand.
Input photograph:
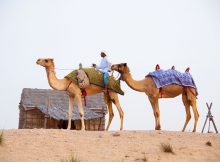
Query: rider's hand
(94, 65)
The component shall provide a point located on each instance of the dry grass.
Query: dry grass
(1, 137)
(116, 134)
(208, 143)
(144, 159)
(166, 147)
(72, 159)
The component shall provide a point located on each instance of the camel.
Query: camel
(74, 91)
(148, 86)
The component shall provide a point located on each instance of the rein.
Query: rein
(63, 69)
(119, 77)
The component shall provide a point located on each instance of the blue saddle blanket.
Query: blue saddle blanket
(167, 77)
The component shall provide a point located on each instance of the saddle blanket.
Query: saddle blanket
(96, 78)
(167, 77)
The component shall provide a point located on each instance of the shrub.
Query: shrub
(1, 137)
(166, 147)
(72, 159)
(144, 159)
(208, 143)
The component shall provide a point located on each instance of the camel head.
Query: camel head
(121, 68)
(48, 62)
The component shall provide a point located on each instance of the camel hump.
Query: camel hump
(187, 69)
(157, 67)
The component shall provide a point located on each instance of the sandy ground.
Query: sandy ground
(52, 145)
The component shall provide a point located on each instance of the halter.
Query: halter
(119, 77)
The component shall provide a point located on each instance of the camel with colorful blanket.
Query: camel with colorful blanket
(175, 83)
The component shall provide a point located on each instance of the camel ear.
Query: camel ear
(125, 64)
(187, 70)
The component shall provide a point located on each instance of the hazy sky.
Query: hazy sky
(142, 33)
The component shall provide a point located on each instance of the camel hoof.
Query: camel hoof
(157, 128)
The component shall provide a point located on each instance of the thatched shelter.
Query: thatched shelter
(44, 108)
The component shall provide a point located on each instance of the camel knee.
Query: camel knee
(188, 117)
(196, 117)
(111, 115)
(157, 114)
(122, 115)
(81, 114)
(197, 114)
(70, 112)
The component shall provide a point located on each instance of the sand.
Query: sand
(53, 145)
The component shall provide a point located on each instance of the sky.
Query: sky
(141, 33)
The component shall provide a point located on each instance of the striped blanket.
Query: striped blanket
(168, 77)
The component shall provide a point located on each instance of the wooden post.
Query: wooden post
(46, 115)
(210, 118)
(45, 121)
(100, 121)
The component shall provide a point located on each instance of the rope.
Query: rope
(62, 69)
(118, 76)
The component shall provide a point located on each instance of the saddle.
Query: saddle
(95, 77)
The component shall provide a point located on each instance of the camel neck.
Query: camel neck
(54, 82)
(136, 85)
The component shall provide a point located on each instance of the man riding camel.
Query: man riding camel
(105, 68)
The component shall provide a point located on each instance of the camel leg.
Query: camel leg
(192, 98)
(71, 100)
(115, 100)
(155, 107)
(110, 110)
(196, 114)
(81, 112)
(186, 103)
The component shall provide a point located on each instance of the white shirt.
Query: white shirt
(105, 65)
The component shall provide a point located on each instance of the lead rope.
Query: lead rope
(116, 76)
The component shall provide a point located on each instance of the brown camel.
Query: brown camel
(74, 91)
(148, 86)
